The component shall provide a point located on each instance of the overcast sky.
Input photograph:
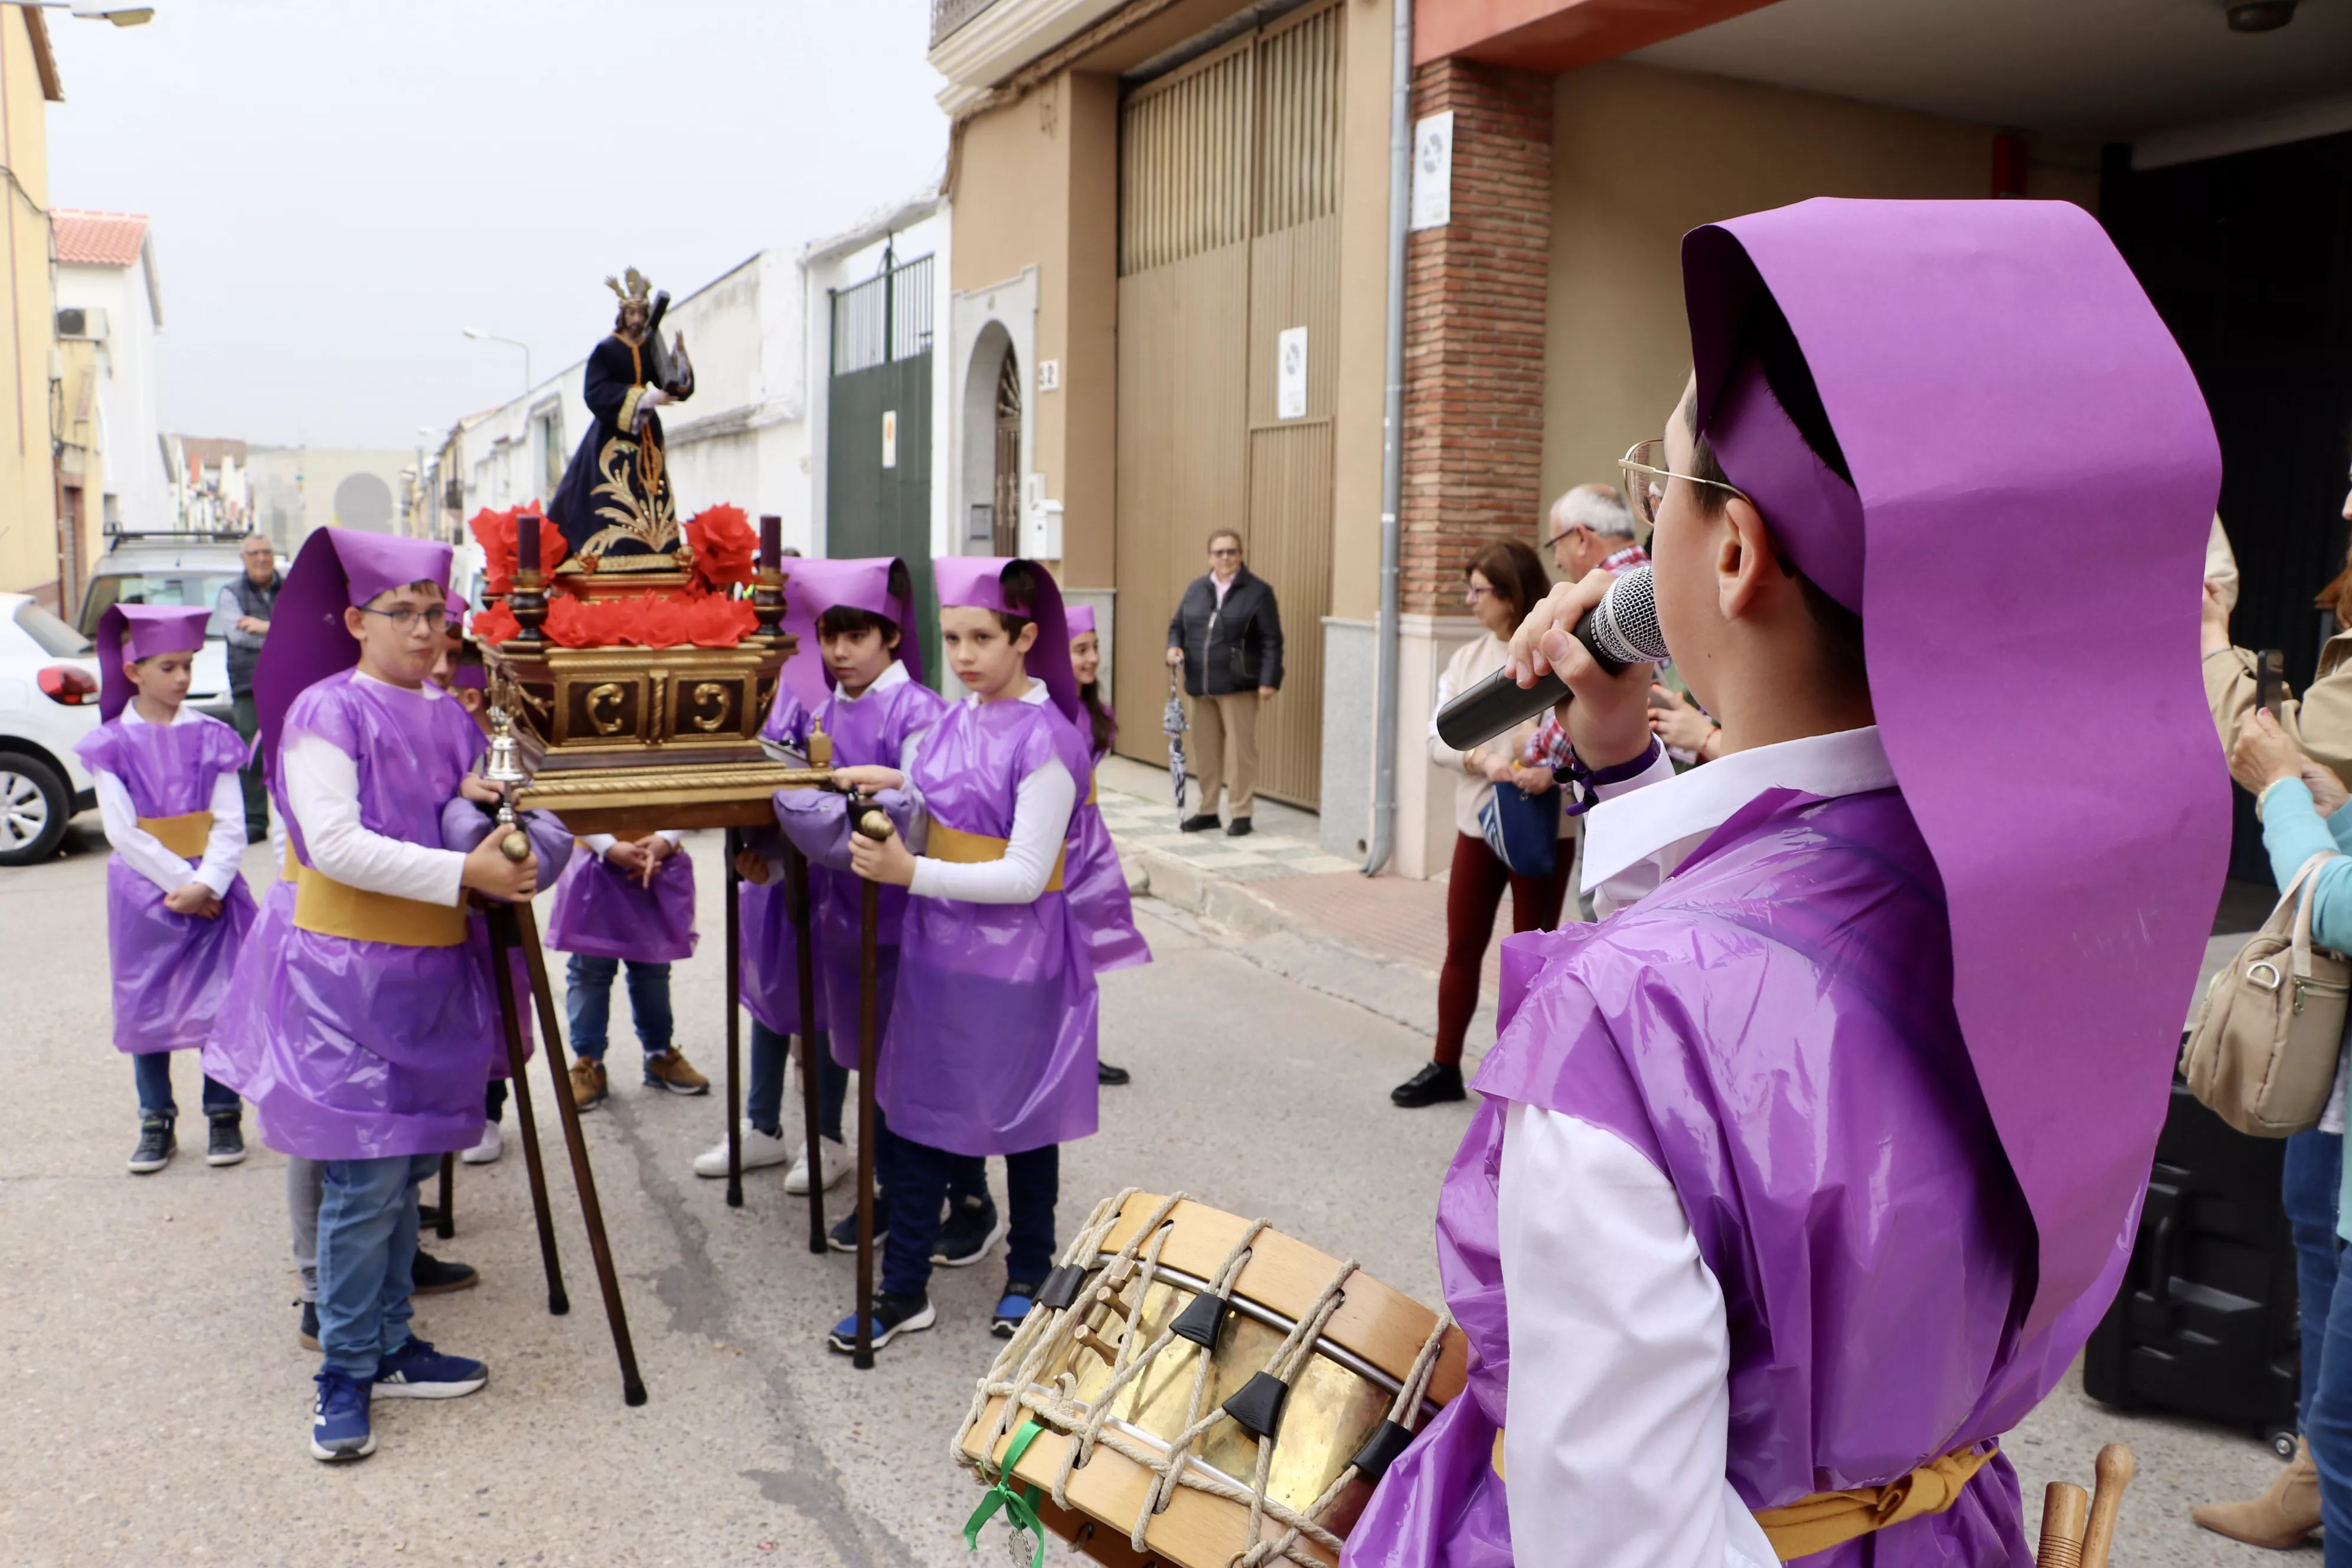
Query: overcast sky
(338, 187)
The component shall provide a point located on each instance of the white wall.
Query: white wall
(743, 437)
(138, 489)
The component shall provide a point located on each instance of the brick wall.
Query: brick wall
(1475, 330)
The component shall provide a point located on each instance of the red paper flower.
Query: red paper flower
(664, 623)
(496, 625)
(719, 622)
(570, 623)
(724, 545)
(495, 532)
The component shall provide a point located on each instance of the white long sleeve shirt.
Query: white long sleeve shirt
(144, 853)
(1042, 804)
(322, 787)
(1620, 1405)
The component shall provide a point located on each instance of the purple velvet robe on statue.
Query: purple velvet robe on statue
(874, 729)
(1772, 1029)
(367, 1049)
(601, 913)
(171, 972)
(992, 1042)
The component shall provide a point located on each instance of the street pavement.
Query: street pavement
(153, 1403)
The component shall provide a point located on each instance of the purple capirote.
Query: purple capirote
(129, 632)
(992, 1042)
(171, 971)
(602, 912)
(977, 582)
(878, 585)
(336, 569)
(369, 1050)
(872, 728)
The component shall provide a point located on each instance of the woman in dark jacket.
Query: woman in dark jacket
(1226, 633)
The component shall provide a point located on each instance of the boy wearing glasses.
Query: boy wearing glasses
(373, 1020)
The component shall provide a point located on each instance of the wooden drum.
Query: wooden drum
(1195, 1390)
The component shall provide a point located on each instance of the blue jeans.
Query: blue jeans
(919, 1179)
(770, 1051)
(152, 1070)
(588, 1003)
(367, 1256)
(2314, 1169)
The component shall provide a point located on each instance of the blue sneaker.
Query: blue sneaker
(338, 1419)
(1013, 1309)
(417, 1370)
(893, 1316)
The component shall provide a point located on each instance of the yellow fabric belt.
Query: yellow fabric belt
(1824, 1519)
(961, 849)
(185, 835)
(330, 908)
(1094, 788)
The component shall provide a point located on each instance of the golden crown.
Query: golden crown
(638, 288)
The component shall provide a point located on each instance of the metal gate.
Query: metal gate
(877, 447)
(1229, 208)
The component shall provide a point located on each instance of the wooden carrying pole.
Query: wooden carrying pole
(873, 822)
(734, 843)
(799, 888)
(2078, 1531)
(502, 948)
(2063, 1509)
(445, 1224)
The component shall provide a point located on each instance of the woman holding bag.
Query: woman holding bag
(1502, 581)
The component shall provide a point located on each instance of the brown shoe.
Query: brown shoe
(587, 1083)
(2280, 1518)
(675, 1073)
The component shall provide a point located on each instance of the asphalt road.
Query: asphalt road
(153, 1403)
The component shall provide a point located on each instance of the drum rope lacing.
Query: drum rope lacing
(1044, 1336)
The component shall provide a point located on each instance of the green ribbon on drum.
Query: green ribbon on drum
(1019, 1502)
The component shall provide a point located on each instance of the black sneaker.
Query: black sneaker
(1013, 1309)
(842, 1237)
(227, 1144)
(157, 1145)
(972, 1227)
(1239, 827)
(1432, 1085)
(1109, 1075)
(1200, 824)
(893, 1316)
(431, 1276)
(308, 1332)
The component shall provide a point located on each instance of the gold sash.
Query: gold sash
(959, 847)
(1094, 787)
(185, 835)
(1824, 1519)
(330, 908)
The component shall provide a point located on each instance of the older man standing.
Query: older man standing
(1590, 527)
(247, 605)
(1226, 633)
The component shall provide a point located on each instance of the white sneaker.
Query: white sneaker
(487, 1152)
(758, 1152)
(838, 1163)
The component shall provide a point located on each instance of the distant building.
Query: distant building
(210, 484)
(111, 463)
(295, 489)
(30, 559)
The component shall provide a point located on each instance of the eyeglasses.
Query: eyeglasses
(1646, 474)
(435, 618)
(1475, 592)
(1225, 550)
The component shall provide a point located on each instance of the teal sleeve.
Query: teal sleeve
(2340, 825)
(2294, 831)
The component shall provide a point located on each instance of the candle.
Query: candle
(771, 541)
(527, 544)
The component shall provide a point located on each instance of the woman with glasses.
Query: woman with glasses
(1502, 582)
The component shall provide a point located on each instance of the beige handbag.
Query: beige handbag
(2262, 1053)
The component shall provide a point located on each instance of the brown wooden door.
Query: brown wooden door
(1228, 237)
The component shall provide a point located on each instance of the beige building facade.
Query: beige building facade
(30, 559)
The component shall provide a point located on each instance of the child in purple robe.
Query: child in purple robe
(991, 1049)
(624, 900)
(177, 910)
(1098, 882)
(373, 1020)
(1801, 1177)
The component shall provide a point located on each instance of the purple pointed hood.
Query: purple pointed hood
(977, 582)
(878, 585)
(130, 632)
(2034, 474)
(336, 568)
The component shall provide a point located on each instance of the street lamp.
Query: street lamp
(480, 336)
(93, 10)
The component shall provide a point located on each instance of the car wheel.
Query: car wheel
(35, 804)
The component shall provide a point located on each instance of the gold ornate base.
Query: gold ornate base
(632, 801)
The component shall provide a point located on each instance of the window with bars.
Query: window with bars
(885, 319)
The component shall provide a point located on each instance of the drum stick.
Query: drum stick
(802, 892)
(874, 824)
(2063, 1508)
(2115, 1471)
(734, 846)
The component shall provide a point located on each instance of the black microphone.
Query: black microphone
(1621, 629)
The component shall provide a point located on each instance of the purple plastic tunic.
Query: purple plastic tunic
(771, 984)
(604, 913)
(370, 1050)
(1773, 1030)
(992, 1043)
(873, 729)
(1097, 884)
(233, 1048)
(463, 826)
(171, 972)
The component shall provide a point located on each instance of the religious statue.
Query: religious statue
(615, 505)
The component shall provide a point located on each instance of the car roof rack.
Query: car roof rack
(186, 535)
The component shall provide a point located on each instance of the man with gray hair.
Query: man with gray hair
(1590, 527)
(244, 608)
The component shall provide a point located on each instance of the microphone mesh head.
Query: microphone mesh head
(1626, 625)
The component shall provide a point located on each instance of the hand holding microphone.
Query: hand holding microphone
(1593, 639)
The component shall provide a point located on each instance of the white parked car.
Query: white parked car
(49, 701)
(172, 569)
